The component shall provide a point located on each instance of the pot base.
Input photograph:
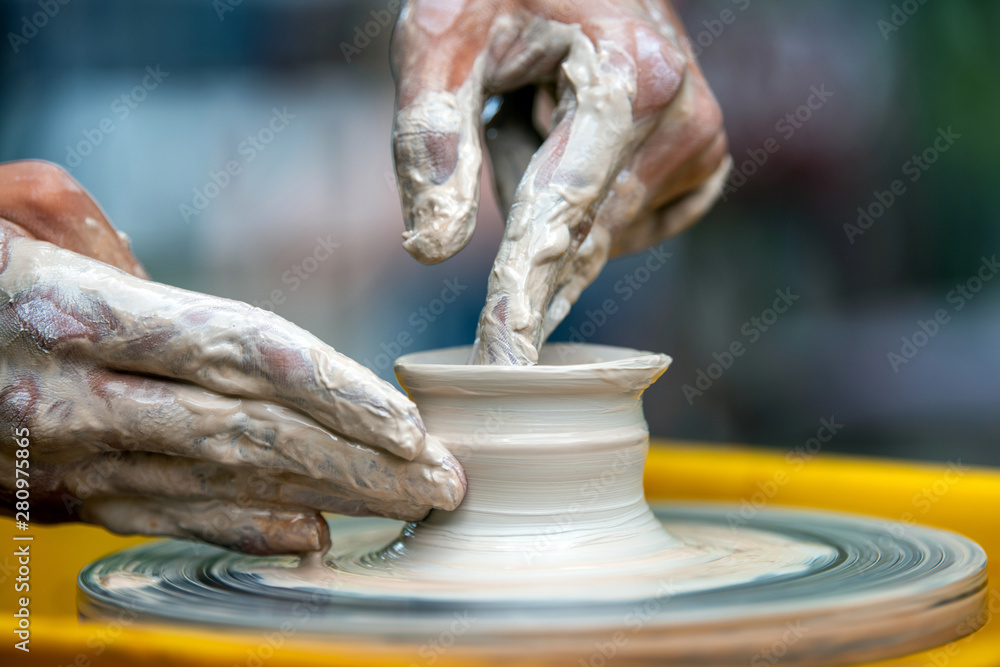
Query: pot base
(805, 587)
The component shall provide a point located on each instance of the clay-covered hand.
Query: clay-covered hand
(636, 151)
(151, 409)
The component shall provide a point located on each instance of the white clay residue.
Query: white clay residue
(441, 207)
(555, 197)
(549, 254)
(555, 509)
(555, 549)
(169, 412)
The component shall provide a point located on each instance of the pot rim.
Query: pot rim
(445, 371)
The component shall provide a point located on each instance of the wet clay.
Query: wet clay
(554, 455)
(161, 411)
(636, 151)
(560, 178)
(549, 220)
(555, 552)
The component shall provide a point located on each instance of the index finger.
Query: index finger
(125, 323)
(556, 201)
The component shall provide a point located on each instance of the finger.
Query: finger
(257, 530)
(556, 201)
(439, 62)
(676, 216)
(45, 201)
(677, 172)
(648, 230)
(652, 59)
(645, 230)
(147, 415)
(226, 346)
(186, 479)
(578, 273)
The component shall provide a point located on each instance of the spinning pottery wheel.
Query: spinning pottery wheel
(555, 550)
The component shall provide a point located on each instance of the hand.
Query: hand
(154, 410)
(636, 151)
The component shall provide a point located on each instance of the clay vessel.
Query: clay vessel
(554, 456)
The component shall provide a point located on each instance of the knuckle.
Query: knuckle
(255, 322)
(704, 133)
(704, 115)
(711, 144)
(236, 329)
(718, 149)
(695, 109)
(662, 70)
(46, 178)
(20, 401)
(51, 319)
(45, 185)
(237, 427)
(710, 116)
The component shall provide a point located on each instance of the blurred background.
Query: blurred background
(243, 145)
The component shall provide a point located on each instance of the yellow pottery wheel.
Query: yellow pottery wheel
(956, 498)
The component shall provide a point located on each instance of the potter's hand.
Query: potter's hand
(150, 409)
(636, 152)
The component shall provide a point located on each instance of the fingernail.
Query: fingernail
(303, 534)
(314, 531)
(438, 481)
(270, 533)
(451, 484)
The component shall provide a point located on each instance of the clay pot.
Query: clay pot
(554, 456)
